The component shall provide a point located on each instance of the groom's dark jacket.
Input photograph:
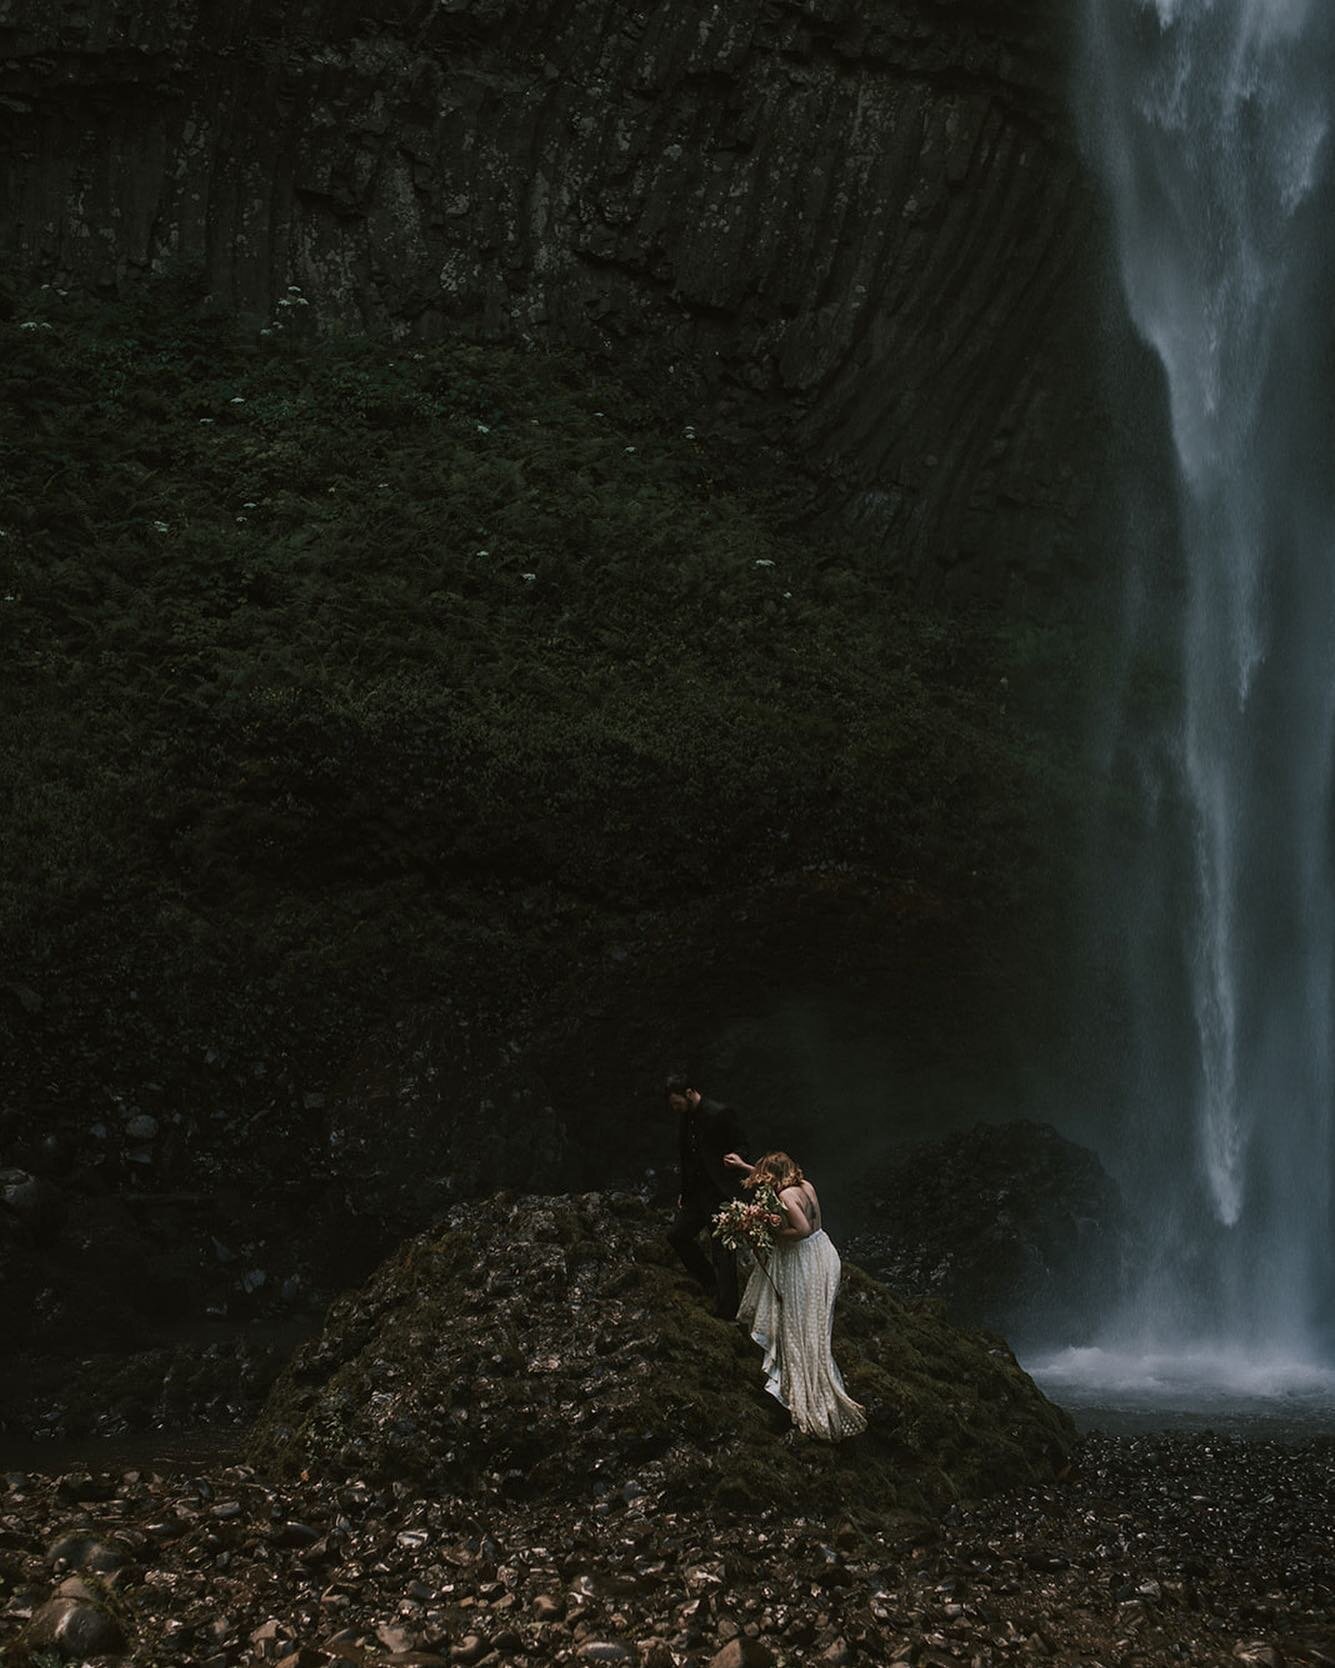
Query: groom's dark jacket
(707, 1132)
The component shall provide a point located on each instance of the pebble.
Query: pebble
(1158, 1551)
(742, 1653)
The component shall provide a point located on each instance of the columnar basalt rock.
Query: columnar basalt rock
(862, 230)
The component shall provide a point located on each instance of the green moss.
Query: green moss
(516, 1356)
(344, 666)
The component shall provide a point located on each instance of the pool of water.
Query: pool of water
(1129, 1393)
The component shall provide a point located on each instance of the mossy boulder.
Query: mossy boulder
(1009, 1225)
(552, 1347)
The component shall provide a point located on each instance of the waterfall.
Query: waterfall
(1208, 122)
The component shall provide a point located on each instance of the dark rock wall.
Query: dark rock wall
(859, 226)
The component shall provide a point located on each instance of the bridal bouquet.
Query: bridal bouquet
(752, 1222)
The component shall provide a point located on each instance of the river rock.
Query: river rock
(79, 1550)
(32, 1201)
(742, 1653)
(75, 1628)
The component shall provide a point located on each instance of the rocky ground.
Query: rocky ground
(527, 1439)
(1159, 1550)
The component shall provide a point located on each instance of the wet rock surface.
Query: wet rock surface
(1010, 1225)
(864, 231)
(125, 1309)
(553, 1347)
(1154, 1551)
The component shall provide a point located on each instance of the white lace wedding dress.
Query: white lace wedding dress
(789, 1307)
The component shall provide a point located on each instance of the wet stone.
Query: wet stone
(82, 1551)
(75, 1628)
(75, 1587)
(742, 1652)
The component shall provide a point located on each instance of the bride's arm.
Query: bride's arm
(798, 1226)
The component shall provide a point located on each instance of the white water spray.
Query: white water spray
(1210, 122)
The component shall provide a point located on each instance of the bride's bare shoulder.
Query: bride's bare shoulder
(802, 1197)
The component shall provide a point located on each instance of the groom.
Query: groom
(706, 1130)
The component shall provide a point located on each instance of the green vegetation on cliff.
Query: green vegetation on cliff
(335, 671)
(554, 1348)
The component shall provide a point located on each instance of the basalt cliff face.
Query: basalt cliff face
(860, 229)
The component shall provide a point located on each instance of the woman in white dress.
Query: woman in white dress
(789, 1306)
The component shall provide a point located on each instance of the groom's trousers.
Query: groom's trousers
(717, 1273)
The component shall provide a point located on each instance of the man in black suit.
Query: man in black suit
(707, 1130)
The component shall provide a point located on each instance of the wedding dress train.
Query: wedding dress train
(789, 1307)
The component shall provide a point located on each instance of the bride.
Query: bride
(789, 1305)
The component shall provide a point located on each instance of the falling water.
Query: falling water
(1209, 122)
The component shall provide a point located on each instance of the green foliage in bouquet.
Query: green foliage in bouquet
(749, 1224)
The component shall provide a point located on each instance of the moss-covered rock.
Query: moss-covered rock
(552, 1346)
(1009, 1225)
(342, 677)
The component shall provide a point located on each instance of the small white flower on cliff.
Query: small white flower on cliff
(237, 399)
(161, 527)
(206, 422)
(528, 576)
(483, 428)
(630, 448)
(34, 324)
(764, 562)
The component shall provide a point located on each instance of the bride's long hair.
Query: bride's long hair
(777, 1170)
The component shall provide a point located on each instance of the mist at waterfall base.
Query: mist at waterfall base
(1209, 123)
